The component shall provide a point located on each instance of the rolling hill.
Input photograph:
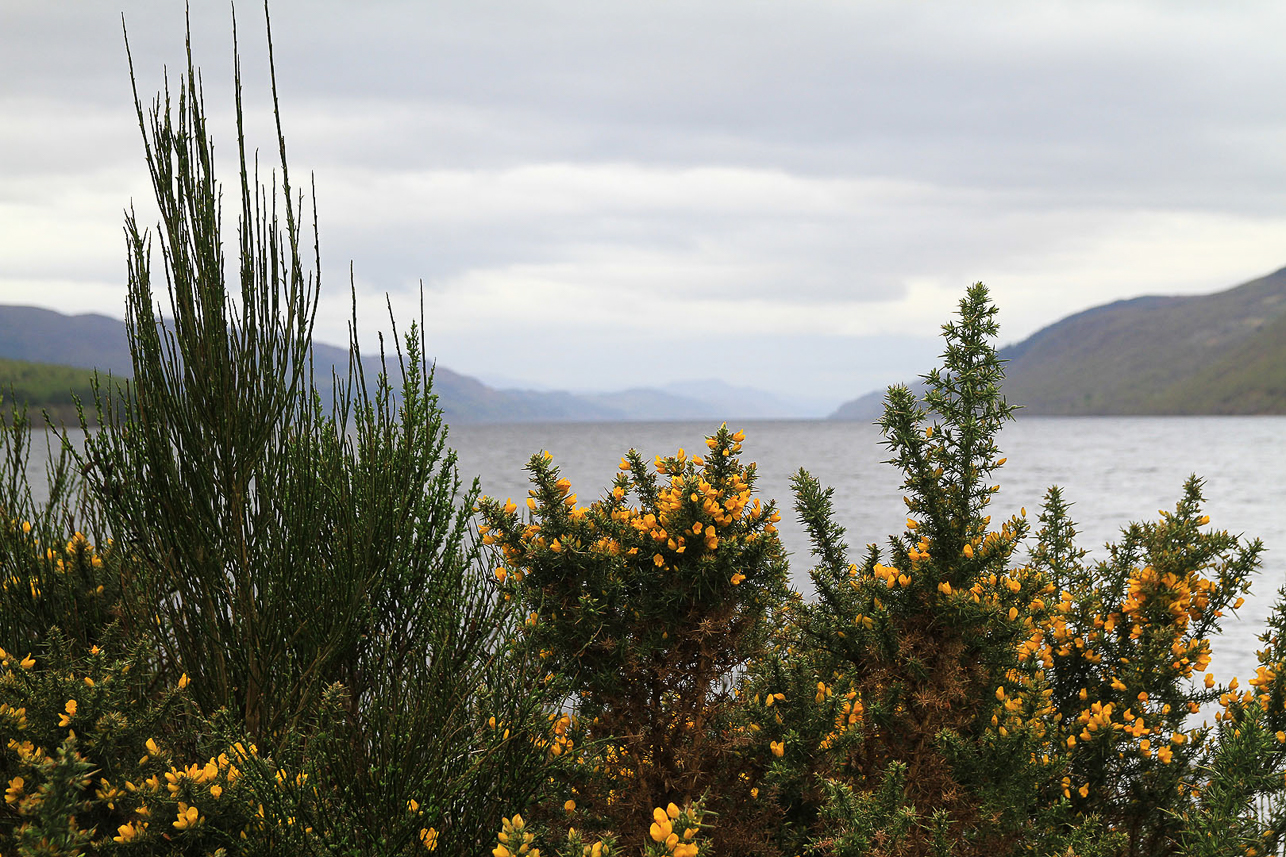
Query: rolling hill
(74, 343)
(44, 386)
(1223, 353)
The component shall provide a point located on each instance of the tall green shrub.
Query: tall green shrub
(953, 696)
(886, 684)
(1124, 654)
(309, 574)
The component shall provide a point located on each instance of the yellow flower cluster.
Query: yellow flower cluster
(848, 718)
(130, 830)
(514, 840)
(1152, 592)
(697, 507)
(559, 741)
(14, 792)
(16, 717)
(189, 817)
(665, 831)
(77, 553)
(208, 780)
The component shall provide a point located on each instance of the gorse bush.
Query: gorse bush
(1016, 702)
(257, 614)
(646, 613)
(906, 654)
(85, 770)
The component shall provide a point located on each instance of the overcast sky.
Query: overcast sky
(787, 195)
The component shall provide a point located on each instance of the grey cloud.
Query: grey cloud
(932, 91)
(983, 139)
(1092, 98)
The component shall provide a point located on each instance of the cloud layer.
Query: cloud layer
(789, 196)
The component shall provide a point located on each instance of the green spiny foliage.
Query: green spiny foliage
(1040, 706)
(1121, 653)
(1240, 805)
(51, 575)
(282, 559)
(904, 657)
(80, 739)
(647, 612)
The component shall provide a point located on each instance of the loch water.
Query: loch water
(1113, 470)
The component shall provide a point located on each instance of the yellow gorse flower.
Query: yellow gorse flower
(662, 827)
(514, 839)
(189, 817)
(129, 831)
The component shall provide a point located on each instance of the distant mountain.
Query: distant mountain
(645, 403)
(1223, 353)
(733, 402)
(708, 399)
(97, 341)
(44, 336)
(870, 407)
(704, 399)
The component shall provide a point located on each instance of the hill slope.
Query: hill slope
(96, 341)
(41, 386)
(99, 342)
(43, 383)
(1223, 353)
(44, 336)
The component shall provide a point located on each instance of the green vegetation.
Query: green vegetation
(43, 386)
(246, 622)
(1211, 354)
(1249, 379)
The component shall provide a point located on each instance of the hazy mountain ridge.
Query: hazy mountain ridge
(79, 342)
(1222, 353)
(86, 341)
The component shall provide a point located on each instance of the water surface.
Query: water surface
(1113, 470)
